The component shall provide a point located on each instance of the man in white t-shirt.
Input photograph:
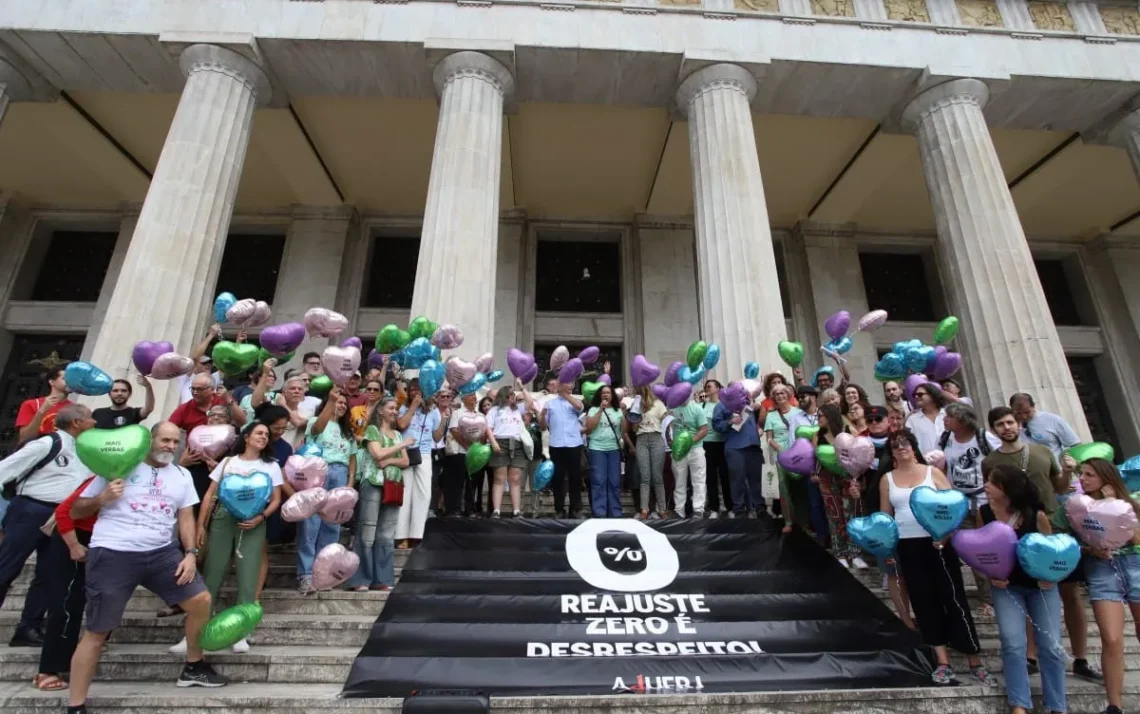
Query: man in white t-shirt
(131, 546)
(965, 444)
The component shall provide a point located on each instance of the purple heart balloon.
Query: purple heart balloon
(605, 379)
(519, 362)
(530, 374)
(838, 324)
(589, 355)
(678, 394)
(734, 397)
(671, 374)
(912, 383)
(659, 391)
(571, 371)
(642, 371)
(375, 359)
(991, 549)
(282, 339)
(145, 353)
(947, 365)
(353, 342)
(799, 458)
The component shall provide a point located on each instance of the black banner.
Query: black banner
(602, 606)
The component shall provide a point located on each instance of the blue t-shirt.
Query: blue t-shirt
(1052, 432)
(562, 423)
(421, 427)
(281, 451)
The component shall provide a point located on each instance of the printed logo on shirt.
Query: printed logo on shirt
(120, 421)
(62, 461)
(966, 470)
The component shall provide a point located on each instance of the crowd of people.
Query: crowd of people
(160, 526)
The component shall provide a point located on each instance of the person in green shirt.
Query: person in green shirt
(603, 448)
(690, 417)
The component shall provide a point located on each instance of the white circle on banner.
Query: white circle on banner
(661, 562)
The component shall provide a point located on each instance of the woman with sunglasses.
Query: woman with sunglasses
(931, 570)
(926, 422)
(361, 416)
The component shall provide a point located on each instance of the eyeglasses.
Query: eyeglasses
(372, 389)
(200, 389)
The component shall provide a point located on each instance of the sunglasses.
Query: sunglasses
(372, 389)
(876, 419)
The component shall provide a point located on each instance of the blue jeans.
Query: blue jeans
(605, 483)
(1044, 608)
(313, 533)
(375, 539)
(817, 515)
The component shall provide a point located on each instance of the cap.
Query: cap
(876, 412)
(806, 389)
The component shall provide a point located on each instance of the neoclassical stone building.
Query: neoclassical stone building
(633, 174)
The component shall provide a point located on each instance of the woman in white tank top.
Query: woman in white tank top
(932, 571)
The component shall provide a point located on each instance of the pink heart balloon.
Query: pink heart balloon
(754, 387)
(241, 311)
(304, 472)
(447, 337)
(304, 504)
(171, 365)
(1104, 523)
(333, 566)
(873, 320)
(991, 549)
(558, 357)
(322, 322)
(459, 372)
(473, 427)
(212, 439)
(340, 505)
(642, 371)
(340, 363)
(260, 316)
(799, 458)
(485, 362)
(855, 453)
(936, 458)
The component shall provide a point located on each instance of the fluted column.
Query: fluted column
(1126, 134)
(168, 275)
(455, 273)
(736, 266)
(1008, 340)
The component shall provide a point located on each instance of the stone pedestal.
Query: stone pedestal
(1008, 340)
(167, 280)
(736, 266)
(455, 273)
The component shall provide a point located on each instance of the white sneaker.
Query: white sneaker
(241, 646)
(179, 648)
(843, 562)
(730, 514)
(859, 563)
(713, 515)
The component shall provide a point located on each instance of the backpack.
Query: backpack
(983, 442)
(10, 487)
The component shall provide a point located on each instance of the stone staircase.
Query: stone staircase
(303, 649)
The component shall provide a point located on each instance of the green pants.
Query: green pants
(226, 539)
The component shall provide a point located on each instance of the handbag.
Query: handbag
(415, 456)
(392, 490)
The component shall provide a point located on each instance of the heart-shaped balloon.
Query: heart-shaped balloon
(422, 327)
(828, 459)
(340, 363)
(1048, 557)
(495, 375)
(86, 379)
(695, 355)
(477, 457)
(473, 427)
(222, 305)
(543, 475)
(938, 512)
(282, 339)
(432, 376)
(213, 440)
(798, 458)
(170, 365)
(571, 371)
(642, 372)
(322, 322)
(339, 506)
(936, 458)
(113, 453)
(991, 550)
(375, 359)
(353, 341)
(890, 367)
(946, 331)
(673, 374)
(477, 382)
(873, 320)
(391, 338)
(912, 383)
(754, 387)
(233, 358)
(734, 397)
(459, 372)
(605, 379)
(681, 444)
(791, 352)
(837, 325)
(485, 362)
(530, 375)
(230, 626)
(1130, 472)
(712, 357)
(692, 376)
(310, 449)
(264, 355)
(320, 385)
(946, 365)
(1084, 452)
(589, 355)
(678, 395)
(245, 496)
(447, 337)
(855, 453)
(878, 534)
(752, 369)
(807, 431)
(146, 352)
(241, 311)
(589, 389)
(660, 391)
(917, 357)
(840, 347)
(260, 316)
(304, 504)
(519, 362)
(1104, 523)
(418, 351)
(304, 472)
(333, 566)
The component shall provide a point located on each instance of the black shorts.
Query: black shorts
(1078, 574)
(113, 575)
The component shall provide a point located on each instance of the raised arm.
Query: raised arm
(327, 413)
(148, 406)
(259, 392)
(199, 350)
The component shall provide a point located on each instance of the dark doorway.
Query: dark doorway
(610, 353)
(1093, 401)
(31, 357)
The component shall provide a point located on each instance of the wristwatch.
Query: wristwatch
(192, 551)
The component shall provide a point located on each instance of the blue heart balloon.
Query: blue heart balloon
(751, 370)
(890, 366)
(222, 305)
(432, 376)
(712, 357)
(841, 346)
(245, 496)
(1130, 470)
(917, 357)
(87, 379)
(1048, 557)
(878, 534)
(938, 512)
(494, 376)
(417, 352)
(543, 475)
(692, 376)
(311, 450)
(477, 382)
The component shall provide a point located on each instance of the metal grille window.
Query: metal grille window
(900, 284)
(250, 265)
(1093, 400)
(74, 266)
(391, 275)
(578, 276)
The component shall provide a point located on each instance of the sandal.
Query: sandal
(402, 545)
(48, 682)
(985, 610)
(360, 589)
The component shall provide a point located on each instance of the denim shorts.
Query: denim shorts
(1116, 580)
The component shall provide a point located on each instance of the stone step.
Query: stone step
(273, 601)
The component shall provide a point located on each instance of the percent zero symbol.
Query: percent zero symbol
(633, 556)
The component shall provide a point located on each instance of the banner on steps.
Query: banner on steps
(605, 606)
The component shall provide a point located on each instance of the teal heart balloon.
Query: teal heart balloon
(494, 376)
(113, 453)
(230, 626)
(1048, 557)
(751, 370)
(543, 475)
(311, 450)
(938, 512)
(432, 376)
(878, 534)
(222, 305)
(245, 496)
(87, 379)
(233, 358)
(477, 382)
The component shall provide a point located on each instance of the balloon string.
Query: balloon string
(238, 546)
(962, 612)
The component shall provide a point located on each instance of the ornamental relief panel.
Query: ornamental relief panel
(678, 3)
(1051, 16)
(833, 8)
(1121, 20)
(979, 13)
(757, 5)
(907, 10)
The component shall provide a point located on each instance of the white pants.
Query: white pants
(417, 494)
(692, 466)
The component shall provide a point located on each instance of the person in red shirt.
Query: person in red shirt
(204, 395)
(352, 393)
(37, 416)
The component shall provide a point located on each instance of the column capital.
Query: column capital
(715, 76)
(213, 58)
(956, 91)
(473, 64)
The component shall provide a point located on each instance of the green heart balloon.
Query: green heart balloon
(791, 352)
(113, 453)
(321, 385)
(946, 331)
(695, 357)
(806, 432)
(477, 457)
(230, 626)
(825, 454)
(391, 339)
(1093, 450)
(422, 327)
(682, 444)
(233, 358)
(589, 389)
(263, 355)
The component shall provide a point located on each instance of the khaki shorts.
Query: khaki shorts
(511, 455)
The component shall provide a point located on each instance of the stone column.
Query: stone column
(796, 7)
(870, 10)
(1087, 18)
(106, 290)
(736, 265)
(1015, 14)
(1008, 340)
(943, 12)
(168, 275)
(459, 248)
